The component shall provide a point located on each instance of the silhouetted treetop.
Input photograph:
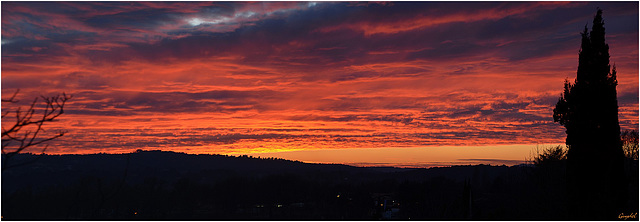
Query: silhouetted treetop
(589, 106)
(588, 109)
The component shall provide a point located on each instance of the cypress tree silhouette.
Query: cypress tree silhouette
(588, 109)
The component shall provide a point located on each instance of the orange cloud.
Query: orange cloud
(267, 77)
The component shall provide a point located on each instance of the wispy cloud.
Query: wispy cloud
(304, 75)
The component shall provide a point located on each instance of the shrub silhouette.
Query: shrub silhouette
(550, 155)
(630, 144)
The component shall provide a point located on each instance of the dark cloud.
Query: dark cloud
(130, 103)
(265, 35)
(494, 161)
(398, 74)
(629, 97)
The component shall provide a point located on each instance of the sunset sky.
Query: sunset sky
(270, 77)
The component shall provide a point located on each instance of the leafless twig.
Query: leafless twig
(27, 128)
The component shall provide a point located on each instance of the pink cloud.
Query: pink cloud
(275, 76)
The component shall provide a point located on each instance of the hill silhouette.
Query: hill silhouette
(162, 185)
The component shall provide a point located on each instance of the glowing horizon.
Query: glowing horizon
(414, 157)
(277, 77)
(402, 157)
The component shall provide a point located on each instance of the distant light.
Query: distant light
(338, 196)
(199, 21)
(135, 213)
(279, 205)
(195, 21)
(221, 19)
(246, 14)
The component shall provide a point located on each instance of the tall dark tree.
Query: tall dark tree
(588, 109)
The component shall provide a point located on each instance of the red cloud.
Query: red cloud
(274, 76)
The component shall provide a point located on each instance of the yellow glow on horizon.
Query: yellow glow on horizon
(412, 156)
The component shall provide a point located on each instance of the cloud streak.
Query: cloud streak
(262, 76)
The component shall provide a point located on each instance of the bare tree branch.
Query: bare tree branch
(26, 130)
(12, 99)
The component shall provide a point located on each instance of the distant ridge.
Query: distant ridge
(162, 185)
(171, 166)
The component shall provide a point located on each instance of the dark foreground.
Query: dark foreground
(154, 185)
